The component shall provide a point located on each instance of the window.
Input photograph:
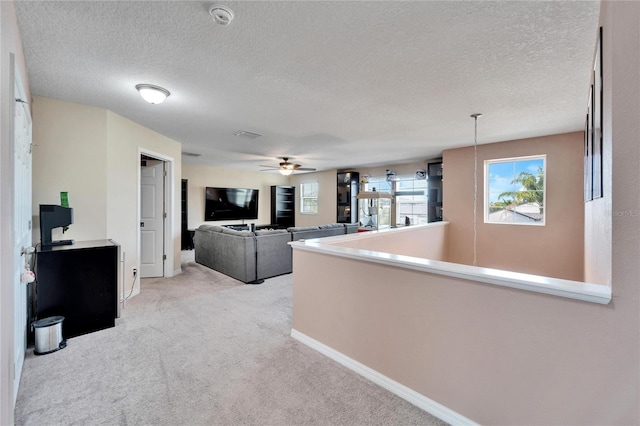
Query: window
(309, 198)
(515, 189)
(377, 184)
(409, 197)
(411, 201)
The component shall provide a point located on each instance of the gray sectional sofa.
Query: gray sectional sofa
(253, 256)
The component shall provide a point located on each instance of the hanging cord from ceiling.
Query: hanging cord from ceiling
(475, 189)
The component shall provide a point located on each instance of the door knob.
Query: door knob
(26, 250)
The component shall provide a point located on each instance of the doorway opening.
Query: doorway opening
(155, 215)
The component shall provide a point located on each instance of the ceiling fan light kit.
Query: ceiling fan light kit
(286, 168)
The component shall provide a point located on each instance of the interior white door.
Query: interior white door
(21, 224)
(152, 176)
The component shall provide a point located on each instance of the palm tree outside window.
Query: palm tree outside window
(515, 190)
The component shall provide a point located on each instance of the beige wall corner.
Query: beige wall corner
(555, 249)
(125, 140)
(327, 197)
(94, 155)
(549, 360)
(70, 154)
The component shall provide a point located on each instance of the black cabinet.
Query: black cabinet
(186, 240)
(348, 184)
(283, 200)
(434, 191)
(79, 282)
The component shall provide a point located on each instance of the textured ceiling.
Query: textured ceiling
(330, 84)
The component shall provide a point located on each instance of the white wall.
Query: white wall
(200, 177)
(598, 213)
(10, 44)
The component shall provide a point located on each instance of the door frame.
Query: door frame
(7, 240)
(160, 207)
(169, 196)
(23, 297)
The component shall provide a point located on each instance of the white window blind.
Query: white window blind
(309, 198)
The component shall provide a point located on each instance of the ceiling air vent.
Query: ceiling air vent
(191, 154)
(247, 134)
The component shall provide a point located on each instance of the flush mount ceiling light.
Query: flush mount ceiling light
(221, 14)
(152, 94)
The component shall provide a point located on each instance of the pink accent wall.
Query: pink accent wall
(555, 249)
(428, 242)
(498, 355)
(494, 355)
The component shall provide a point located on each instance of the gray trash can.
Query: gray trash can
(48, 335)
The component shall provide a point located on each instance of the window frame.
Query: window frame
(487, 194)
(302, 197)
(414, 192)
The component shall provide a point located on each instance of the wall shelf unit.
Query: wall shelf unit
(434, 191)
(347, 202)
(186, 240)
(283, 202)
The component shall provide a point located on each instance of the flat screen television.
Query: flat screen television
(230, 203)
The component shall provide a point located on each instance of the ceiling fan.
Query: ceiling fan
(286, 168)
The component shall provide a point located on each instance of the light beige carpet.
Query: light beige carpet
(202, 349)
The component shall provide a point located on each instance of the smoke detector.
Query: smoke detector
(221, 14)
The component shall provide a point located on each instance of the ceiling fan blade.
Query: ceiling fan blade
(286, 165)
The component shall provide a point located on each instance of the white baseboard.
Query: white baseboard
(408, 394)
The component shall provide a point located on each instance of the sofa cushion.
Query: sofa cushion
(232, 255)
(311, 232)
(210, 228)
(273, 253)
(351, 228)
(237, 233)
(302, 228)
(331, 225)
(271, 232)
